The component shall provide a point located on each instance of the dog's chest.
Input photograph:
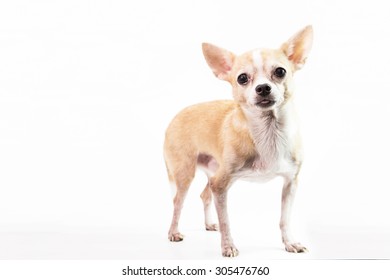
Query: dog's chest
(272, 153)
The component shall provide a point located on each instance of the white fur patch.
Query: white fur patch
(173, 189)
(273, 139)
(257, 59)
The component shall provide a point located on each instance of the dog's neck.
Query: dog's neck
(268, 132)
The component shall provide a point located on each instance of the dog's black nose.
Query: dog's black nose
(263, 90)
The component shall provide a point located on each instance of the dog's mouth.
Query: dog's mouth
(265, 103)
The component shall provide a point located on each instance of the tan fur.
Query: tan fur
(240, 139)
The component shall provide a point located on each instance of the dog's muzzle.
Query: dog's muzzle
(263, 98)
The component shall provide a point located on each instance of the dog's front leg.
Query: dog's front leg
(219, 186)
(288, 194)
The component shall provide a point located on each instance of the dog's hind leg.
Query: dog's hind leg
(209, 165)
(207, 198)
(180, 176)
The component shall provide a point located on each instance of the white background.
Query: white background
(87, 89)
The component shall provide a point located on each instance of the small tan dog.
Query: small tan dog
(252, 137)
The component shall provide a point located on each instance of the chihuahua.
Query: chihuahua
(252, 137)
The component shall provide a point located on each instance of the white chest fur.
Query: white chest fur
(281, 167)
(274, 141)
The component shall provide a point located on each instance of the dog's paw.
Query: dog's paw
(230, 251)
(295, 248)
(175, 237)
(212, 227)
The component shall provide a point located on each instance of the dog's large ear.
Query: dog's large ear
(297, 48)
(220, 60)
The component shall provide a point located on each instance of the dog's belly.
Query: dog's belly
(257, 172)
(255, 175)
(208, 164)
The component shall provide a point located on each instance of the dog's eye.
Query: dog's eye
(280, 72)
(243, 79)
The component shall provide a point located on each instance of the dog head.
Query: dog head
(261, 79)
